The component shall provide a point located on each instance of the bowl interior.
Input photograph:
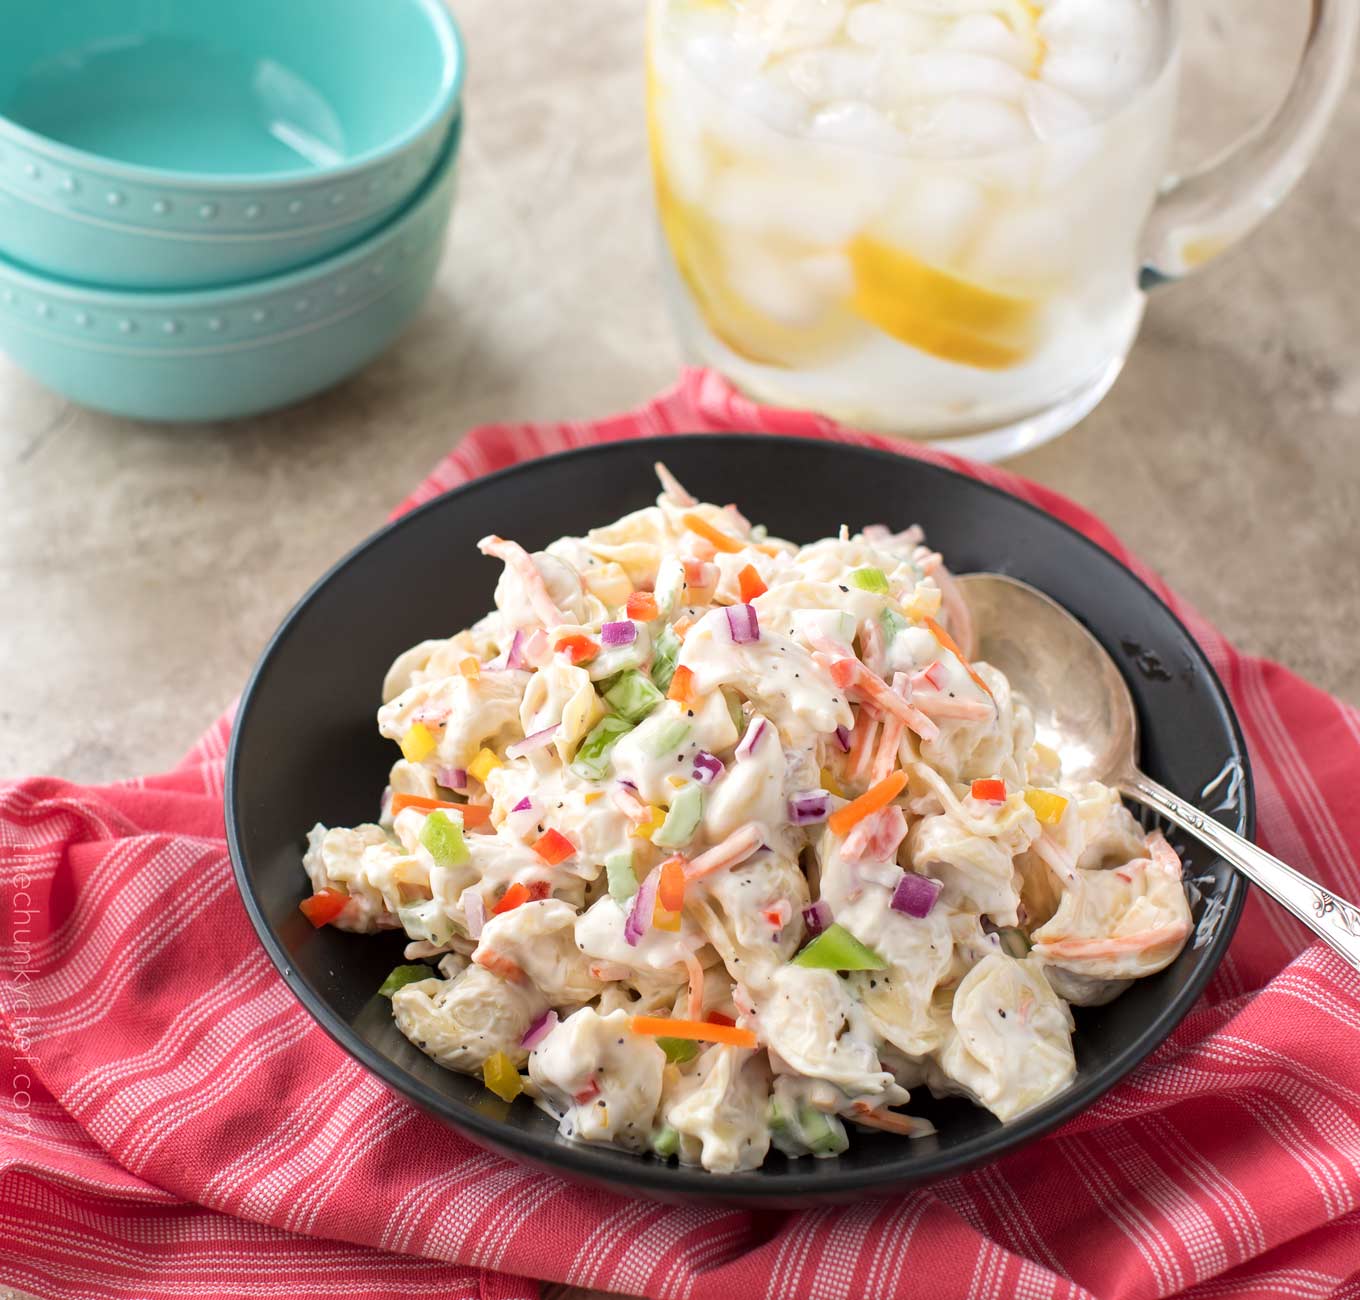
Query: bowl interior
(306, 749)
(255, 87)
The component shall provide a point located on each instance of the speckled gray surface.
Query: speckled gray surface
(142, 568)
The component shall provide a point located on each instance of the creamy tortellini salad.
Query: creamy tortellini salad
(708, 842)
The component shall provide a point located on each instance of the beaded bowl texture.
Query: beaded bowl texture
(199, 144)
(223, 353)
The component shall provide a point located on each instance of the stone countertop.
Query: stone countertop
(143, 567)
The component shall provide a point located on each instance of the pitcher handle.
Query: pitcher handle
(1199, 215)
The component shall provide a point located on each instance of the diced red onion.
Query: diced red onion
(540, 1029)
(809, 808)
(632, 785)
(386, 801)
(707, 767)
(817, 917)
(524, 805)
(522, 817)
(915, 895)
(640, 914)
(453, 778)
(530, 743)
(743, 624)
(754, 734)
(514, 655)
(843, 739)
(474, 910)
(623, 633)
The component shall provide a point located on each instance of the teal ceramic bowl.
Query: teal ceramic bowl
(222, 353)
(169, 144)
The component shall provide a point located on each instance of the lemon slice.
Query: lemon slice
(939, 313)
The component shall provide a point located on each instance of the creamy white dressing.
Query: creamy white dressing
(737, 745)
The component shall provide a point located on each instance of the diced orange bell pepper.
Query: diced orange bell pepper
(989, 791)
(750, 584)
(682, 686)
(671, 887)
(513, 897)
(642, 606)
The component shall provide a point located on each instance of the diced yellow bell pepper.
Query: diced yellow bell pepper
(470, 667)
(418, 743)
(664, 919)
(501, 1077)
(483, 765)
(645, 830)
(591, 796)
(924, 603)
(1048, 807)
(831, 785)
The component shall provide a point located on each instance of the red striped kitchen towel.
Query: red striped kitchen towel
(172, 1124)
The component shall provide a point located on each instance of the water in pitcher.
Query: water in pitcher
(916, 215)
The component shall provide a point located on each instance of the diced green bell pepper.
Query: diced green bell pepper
(822, 1134)
(678, 1050)
(668, 738)
(622, 879)
(682, 818)
(632, 696)
(402, 976)
(425, 920)
(443, 837)
(592, 756)
(870, 579)
(666, 1142)
(891, 622)
(665, 651)
(837, 949)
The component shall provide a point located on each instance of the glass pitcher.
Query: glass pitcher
(939, 218)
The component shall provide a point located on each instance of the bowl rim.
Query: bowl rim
(452, 73)
(171, 300)
(602, 1165)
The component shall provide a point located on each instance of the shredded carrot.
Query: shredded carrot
(861, 746)
(750, 584)
(720, 540)
(887, 1120)
(671, 889)
(474, 814)
(695, 1002)
(682, 625)
(952, 646)
(682, 686)
(498, 965)
(875, 797)
(700, 1030)
(737, 847)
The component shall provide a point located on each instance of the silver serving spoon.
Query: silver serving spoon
(1083, 710)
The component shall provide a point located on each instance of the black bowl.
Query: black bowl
(306, 749)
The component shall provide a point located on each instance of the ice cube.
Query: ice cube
(935, 215)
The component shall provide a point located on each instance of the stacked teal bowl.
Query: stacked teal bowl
(209, 210)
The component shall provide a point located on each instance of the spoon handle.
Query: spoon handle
(1333, 919)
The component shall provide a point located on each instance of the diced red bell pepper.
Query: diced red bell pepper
(989, 791)
(513, 897)
(323, 907)
(580, 649)
(539, 890)
(717, 1018)
(554, 847)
